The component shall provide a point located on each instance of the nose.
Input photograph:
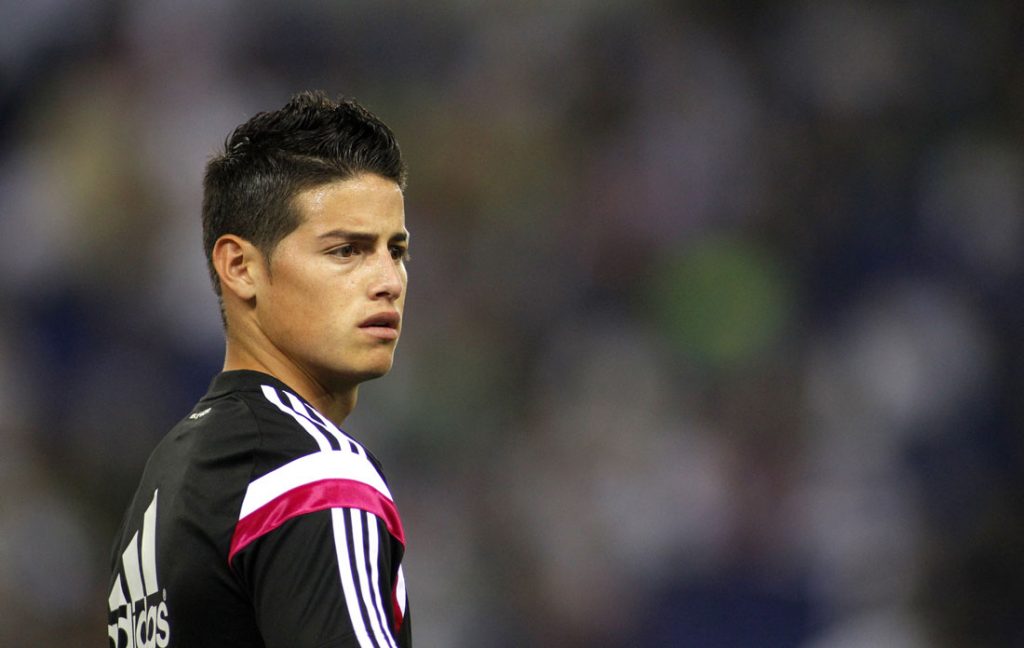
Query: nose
(388, 279)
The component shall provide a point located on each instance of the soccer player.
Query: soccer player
(259, 521)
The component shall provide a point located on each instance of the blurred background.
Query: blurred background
(714, 332)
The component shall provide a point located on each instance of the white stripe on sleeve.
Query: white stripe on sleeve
(369, 585)
(400, 590)
(313, 467)
(348, 585)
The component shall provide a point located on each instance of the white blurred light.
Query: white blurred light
(911, 353)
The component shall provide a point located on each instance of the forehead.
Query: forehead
(367, 202)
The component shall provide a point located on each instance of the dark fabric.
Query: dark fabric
(172, 584)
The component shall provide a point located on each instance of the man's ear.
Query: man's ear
(238, 264)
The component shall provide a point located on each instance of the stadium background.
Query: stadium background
(714, 333)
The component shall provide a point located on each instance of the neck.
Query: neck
(334, 402)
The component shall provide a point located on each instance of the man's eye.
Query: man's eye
(399, 253)
(344, 250)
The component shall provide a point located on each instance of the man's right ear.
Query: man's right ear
(237, 263)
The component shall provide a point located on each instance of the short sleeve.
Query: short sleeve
(323, 580)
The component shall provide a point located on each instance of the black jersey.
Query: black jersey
(259, 523)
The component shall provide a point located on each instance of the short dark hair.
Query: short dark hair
(248, 190)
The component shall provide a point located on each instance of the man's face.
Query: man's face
(333, 301)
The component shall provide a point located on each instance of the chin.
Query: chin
(369, 371)
(375, 373)
(356, 366)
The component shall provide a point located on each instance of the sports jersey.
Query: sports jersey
(258, 522)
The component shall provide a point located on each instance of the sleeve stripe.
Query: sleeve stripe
(313, 467)
(342, 546)
(312, 497)
(399, 598)
(373, 561)
(369, 585)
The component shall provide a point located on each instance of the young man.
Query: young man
(258, 521)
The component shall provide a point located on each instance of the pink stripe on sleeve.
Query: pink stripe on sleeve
(309, 498)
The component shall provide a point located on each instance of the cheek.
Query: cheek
(320, 306)
(294, 303)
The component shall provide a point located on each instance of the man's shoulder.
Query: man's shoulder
(245, 401)
(247, 418)
(261, 411)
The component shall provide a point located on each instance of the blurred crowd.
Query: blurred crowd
(714, 330)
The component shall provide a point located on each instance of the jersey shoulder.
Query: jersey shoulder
(260, 416)
(289, 428)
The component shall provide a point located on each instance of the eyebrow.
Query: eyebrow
(361, 236)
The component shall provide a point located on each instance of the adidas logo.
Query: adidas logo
(195, 416)
(138, 617)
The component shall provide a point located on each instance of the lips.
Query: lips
(387, 319)
(383, 325)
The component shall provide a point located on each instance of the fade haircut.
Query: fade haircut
(249, 189)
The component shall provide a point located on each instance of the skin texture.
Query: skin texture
(301, 315)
